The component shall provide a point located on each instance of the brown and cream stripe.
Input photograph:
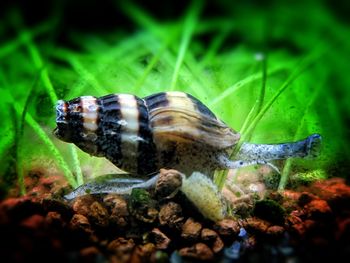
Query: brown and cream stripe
(139, 135)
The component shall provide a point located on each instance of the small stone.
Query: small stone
(330, 189)
(34, 222)
(98, 215)
(227, 228)
(218, 245)
(170, 215)
(158, 238)
(142, 253)
(118, 209)
(54, 219)
(80, 223)
(305, 198)
(208, 235)
(275, 231)
(191, 230)
(298, 228)
(199, 251)
(212, 239)
(90, 254)
(81, 205)
(256, 225)
(168, 184)
(318, 209)
(18, 209)
(59, 206)
(122, 249)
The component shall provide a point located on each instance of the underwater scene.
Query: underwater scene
(175, 131)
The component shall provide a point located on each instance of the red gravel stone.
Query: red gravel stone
(122, 249)
(227, 227)
(81, 205)
(318, 209)
(80, 223)
(208, 235)
(170, 215)
(34, 222)
(98, 215)
(118, 210)
(159, 239)
(191, 230)
(168, 184)
(275, 231)
(142, 253)
(256, 225)
(199, 251)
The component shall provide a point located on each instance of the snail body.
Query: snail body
(140, 136)
(164, 130)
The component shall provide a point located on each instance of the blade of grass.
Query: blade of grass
(303, 65)
(188, 28)
(228, 91)
(39, 64)
(260, 100)
(154, 60)
(82, 71)
(215, 44)
(142, 18)
(76, 165)
(12, 45)
(220, 177)
(19, 136)
(48, 142)
(288, 164)
(44, 137)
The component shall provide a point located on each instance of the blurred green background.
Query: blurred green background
(274, 70)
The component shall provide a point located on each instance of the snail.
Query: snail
(164, 130)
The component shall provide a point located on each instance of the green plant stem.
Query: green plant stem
(238, 85)
(39, 64)
(188, 29)
(12, 45)
(47, 141)
(296, 73)
(44, 76)
(155, 59)
(220, 177)
(259, 101)
(288, 164)
(76, 165)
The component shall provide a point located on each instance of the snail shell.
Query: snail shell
(168, 129)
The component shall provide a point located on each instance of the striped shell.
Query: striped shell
(140, 136)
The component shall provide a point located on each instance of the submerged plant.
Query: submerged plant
(272, 87)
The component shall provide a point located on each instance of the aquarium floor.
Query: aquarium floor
(43, 227)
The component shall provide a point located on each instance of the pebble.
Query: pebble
(98, 215)
(170, 215)
(142, 253)
(212, 239)
(80, 223)
(275, 231)
(228, 228)
(318, 209)
(199, 251)
(121, 248)
(159, 239)
(191, 230)
(118, 208)
(168, 183)
(81, 205)
(256, 225)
